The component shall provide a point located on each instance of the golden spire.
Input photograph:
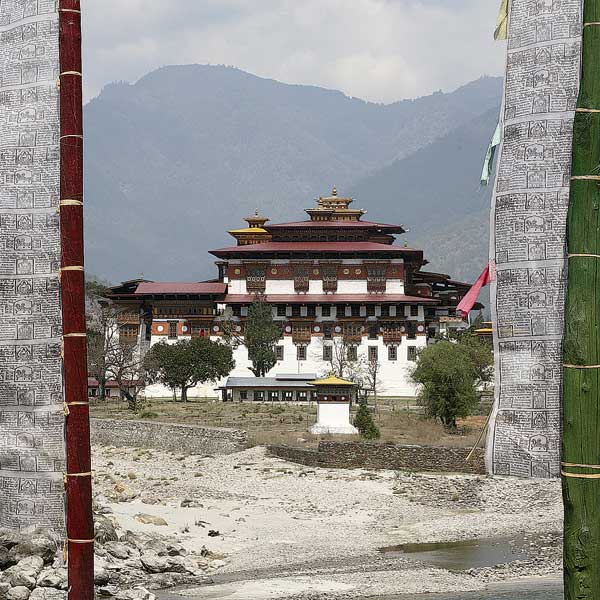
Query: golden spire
(334, 191)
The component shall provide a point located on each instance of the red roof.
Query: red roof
(166, 287)
(330, 299)
(320, 247)
(336, 224)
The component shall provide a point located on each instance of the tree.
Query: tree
(102, 331)
(125, 366)
(363, 421)
(261, 334)
(342, 363)
(187, 363)
(481, 353)
(449, 373)
(371, 377)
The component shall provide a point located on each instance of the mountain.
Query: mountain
(436, 193)
(179, 157)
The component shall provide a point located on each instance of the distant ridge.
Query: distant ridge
(179, 157)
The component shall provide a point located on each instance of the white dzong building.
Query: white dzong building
(334, 281)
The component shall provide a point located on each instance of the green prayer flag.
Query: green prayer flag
(489, 156)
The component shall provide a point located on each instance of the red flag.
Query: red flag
(466, 304)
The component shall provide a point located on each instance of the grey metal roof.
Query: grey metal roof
(296, 376)
(268, 382)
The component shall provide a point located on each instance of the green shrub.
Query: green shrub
(149, 414)
(363, 421)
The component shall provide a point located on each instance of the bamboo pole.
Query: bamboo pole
(78, 478)
(581, 389)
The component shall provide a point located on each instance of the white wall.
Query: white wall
(393, 375)
(333, 414)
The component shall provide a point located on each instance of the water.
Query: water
(539, 590)
(454, 556)
(463, 555)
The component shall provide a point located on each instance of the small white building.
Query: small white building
(281, 388)
(334, 397)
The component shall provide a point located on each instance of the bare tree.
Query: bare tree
(125, 366)
(371, 372)
(102, 332)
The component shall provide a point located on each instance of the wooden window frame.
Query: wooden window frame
(301, 352)
(373, 355)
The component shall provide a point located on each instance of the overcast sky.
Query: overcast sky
(379, 50)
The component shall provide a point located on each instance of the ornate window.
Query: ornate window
(301, 353)
(412, 353)
(373, 354)
(326, 310)
(128, 334)
(352, 333)
(279, 352)
(352, 353)
(411, 328)
(392, 353)
(301, 279)
(301, 333)
(330, 281)
(172, 330)
(256, 279)
(373, 332)
(414, 310)
(328, 353)
(392, 333)
(281, 310)
(376, 278)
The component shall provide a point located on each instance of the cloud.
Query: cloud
(379, 50)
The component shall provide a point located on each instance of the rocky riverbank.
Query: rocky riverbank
(280, 530)
(127, 564)
(252, 527)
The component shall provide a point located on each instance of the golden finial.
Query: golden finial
(334, 191)
(256, 212)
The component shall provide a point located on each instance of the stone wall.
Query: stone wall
(384, 455)
(184, 439)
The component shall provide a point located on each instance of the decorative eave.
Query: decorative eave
(265, 249)
(329, 299)
(333, 381)
(181, 288)
(337, 224)
(249, 230)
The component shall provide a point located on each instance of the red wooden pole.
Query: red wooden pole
(78, 480)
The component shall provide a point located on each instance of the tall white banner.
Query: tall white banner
(528, 241)
(32, 452)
